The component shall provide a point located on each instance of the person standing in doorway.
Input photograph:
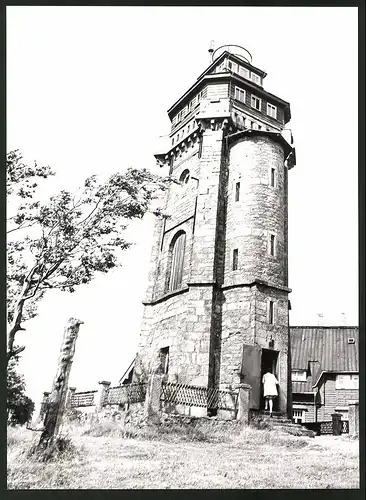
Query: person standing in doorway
(269, 390)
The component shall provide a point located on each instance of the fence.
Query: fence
(79, 399)
(322, 428)
(160, 395)
(190, 395)
(129, 393)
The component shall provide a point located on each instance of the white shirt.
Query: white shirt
(270, 384)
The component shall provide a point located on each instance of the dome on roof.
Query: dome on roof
(237, 50)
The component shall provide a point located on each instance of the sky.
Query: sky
(87, 93)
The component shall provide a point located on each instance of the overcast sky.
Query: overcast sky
(87, 93)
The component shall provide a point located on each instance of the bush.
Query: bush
(20, 407)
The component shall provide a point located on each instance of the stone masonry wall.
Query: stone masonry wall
(180, 206)
(259, 212)
(182, 319)
(181, 322)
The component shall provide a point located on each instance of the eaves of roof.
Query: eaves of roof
(276, 136)
(330, 371)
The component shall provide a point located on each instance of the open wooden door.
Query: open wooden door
(251, 373)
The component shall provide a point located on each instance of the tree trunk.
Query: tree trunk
(18, 316)
(57, 398)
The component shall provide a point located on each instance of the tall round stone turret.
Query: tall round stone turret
(256, 212)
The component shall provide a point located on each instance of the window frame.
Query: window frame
(241, 69)
(271, 312)
(184, 177)
(303, 377)
(298, 419)
(237, 191)
(269, 106)
(273, 177)
(347, 377)
(233, 64)
(272, 237)
(259, 81)
(237, 92)
(260, 102)
(235, 263)
(175, 279)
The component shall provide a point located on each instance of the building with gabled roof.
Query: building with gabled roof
(324, 371)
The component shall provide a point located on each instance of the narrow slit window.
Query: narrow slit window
(272, 244)
(237, 191)
(235, 259)
(270, 312)
(273, 177)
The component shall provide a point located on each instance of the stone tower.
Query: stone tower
(216, 308)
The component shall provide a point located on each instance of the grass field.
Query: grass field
(250, 459)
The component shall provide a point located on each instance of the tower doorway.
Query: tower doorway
(269, 362)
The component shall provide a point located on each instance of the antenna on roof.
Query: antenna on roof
(211, 50)
(320, 319)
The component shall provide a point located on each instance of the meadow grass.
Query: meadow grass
(111, 455)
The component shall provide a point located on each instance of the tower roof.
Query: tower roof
(208, 76)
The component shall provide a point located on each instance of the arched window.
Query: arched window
(177, 247)
(184, 177)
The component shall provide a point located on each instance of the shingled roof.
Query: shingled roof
(327, 347)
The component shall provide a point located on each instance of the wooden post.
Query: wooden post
(59, 388)
(337, 424)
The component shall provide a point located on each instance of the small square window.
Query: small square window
(235, 259)
(240, 94)
(271, 110)
(255, 102)
(237, 191)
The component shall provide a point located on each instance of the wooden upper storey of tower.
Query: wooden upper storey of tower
(231, 77)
